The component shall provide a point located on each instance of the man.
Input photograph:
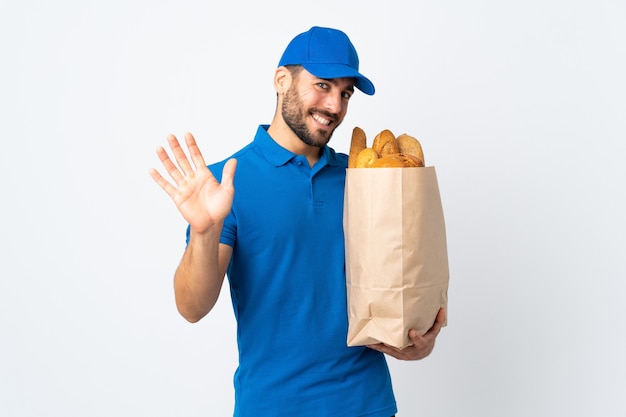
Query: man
(276, 229)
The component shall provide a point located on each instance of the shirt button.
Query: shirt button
(299, 163)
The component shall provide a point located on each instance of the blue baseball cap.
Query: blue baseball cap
(326, 53)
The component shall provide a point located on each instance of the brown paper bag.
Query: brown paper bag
(396, 253)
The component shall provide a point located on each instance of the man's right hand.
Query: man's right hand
(201, 200)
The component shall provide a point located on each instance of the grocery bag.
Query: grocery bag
(396, 254)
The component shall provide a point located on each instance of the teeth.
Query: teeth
(321, 120)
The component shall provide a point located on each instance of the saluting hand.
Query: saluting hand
(201, 200)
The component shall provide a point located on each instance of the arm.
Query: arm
(200, 275)
(204, 203)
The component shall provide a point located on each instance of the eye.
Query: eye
(323, 85)
(347, 94)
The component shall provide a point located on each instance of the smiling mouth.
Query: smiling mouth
(321, 119)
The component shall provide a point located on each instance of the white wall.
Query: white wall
(519, 105)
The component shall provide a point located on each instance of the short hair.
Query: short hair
(295, 70)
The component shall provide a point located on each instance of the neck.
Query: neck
(285, 137)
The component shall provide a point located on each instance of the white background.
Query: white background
(520, 105)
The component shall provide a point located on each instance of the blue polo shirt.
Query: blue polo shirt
(288, 289)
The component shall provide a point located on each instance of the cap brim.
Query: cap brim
(330, 71)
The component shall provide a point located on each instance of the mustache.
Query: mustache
(332, 116)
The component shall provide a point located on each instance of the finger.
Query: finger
(439, 321)
(194, 151)
(179, 154)
(441, 316)
(163, 183)
(428, 339)
(169, 166)
(421, 348)
(435, 328)
(418, 340)
(228, 173)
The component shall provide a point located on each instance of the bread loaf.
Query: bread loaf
(387, 151)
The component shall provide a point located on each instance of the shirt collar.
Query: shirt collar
(277, 155)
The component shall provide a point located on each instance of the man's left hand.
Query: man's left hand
(422, 345)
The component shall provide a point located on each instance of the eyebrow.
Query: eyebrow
(335, 83)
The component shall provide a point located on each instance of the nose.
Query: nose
(333, 102)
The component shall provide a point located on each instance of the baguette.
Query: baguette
(357, 144)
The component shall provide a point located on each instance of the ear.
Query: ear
(282, 80)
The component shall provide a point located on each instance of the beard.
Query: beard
(294, 114)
